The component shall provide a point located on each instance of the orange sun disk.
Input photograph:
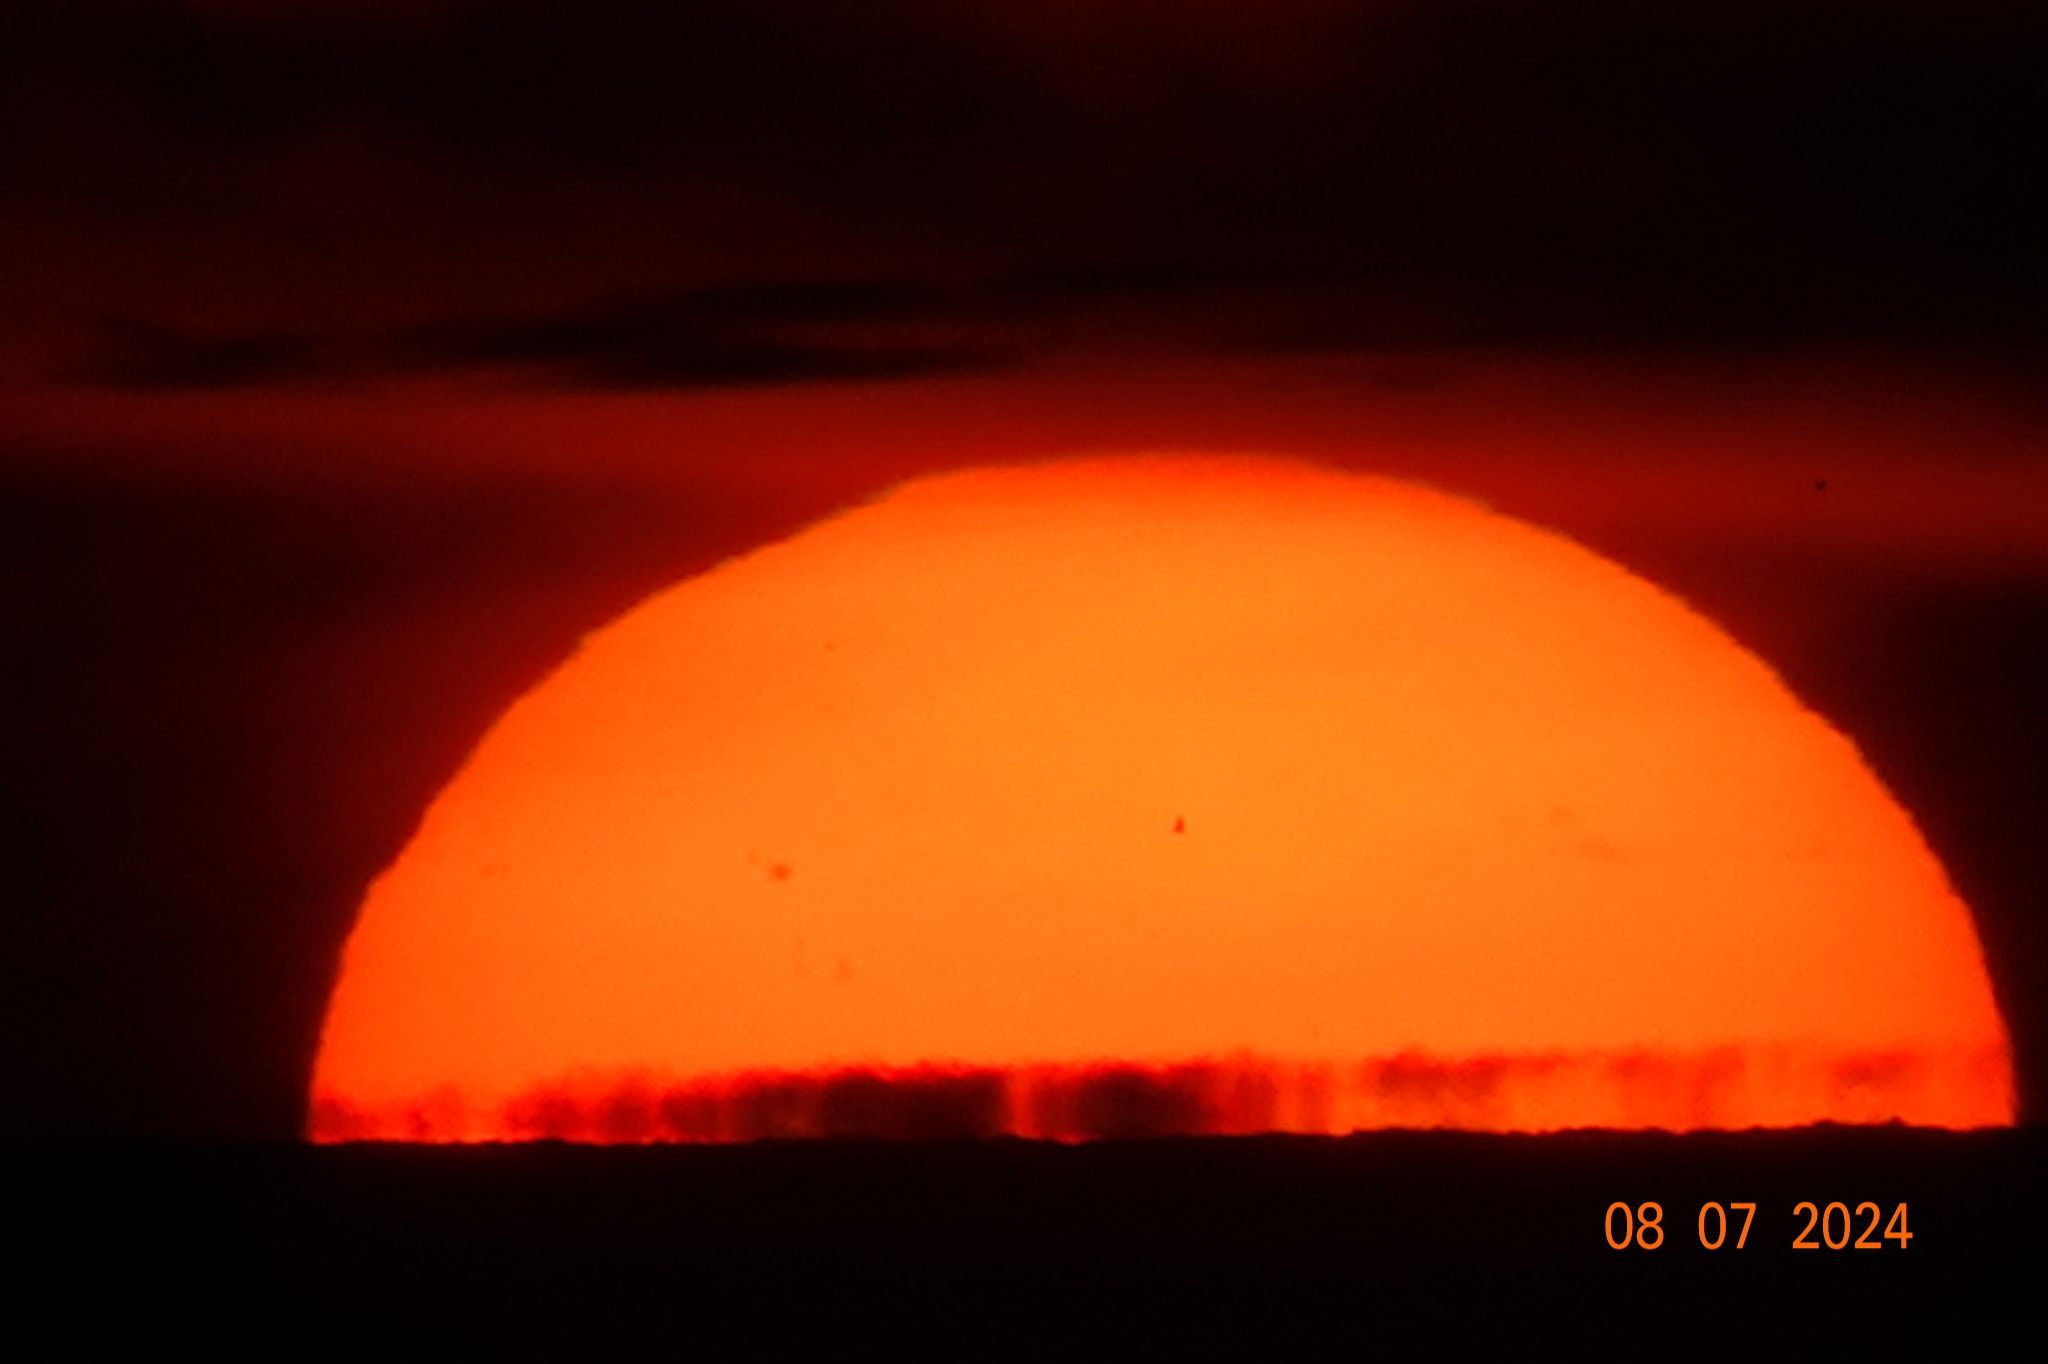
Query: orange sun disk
(1141, 795)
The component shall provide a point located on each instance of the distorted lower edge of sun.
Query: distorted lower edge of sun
(1158, 794)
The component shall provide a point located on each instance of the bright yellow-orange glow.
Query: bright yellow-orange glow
(1159, 794)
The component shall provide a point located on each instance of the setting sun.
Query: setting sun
(1121, 796)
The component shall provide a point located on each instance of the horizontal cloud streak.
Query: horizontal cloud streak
(744, 333)
(760, 333)
(722, 336)
(730, 337)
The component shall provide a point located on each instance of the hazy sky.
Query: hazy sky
(356, 357)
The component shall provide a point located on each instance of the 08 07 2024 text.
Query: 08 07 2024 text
(1732, 1226)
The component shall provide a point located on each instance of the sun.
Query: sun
(1158, 794)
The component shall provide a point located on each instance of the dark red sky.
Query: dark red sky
(357, 357)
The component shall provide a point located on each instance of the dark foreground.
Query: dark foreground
(1347, 1237)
